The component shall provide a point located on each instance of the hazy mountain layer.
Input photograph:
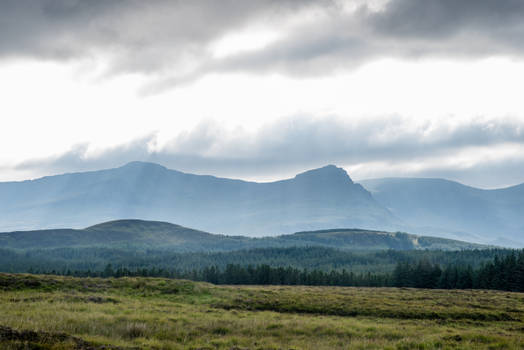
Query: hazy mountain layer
(436, 206)
(317, 199)
(162, 235)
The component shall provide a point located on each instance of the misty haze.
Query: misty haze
(255, 175)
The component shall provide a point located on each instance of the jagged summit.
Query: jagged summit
(329, 172)
(315, 199)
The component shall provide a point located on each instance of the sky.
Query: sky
(263, 89)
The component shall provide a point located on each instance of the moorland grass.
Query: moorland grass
(154, 313)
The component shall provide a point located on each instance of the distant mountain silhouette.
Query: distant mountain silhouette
(442, 207)
(140, 234)
(316, 199)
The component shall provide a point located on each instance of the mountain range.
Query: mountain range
(318, 199)
(450, 209)
(139, 235)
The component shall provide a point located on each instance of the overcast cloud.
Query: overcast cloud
(419, 124)
(171, 40)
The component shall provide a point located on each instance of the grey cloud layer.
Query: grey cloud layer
(296, 144)
(141, 35)
(160, 35)
(403, 29)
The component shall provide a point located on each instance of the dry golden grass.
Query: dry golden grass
(150, 313)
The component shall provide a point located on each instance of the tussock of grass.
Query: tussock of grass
(152, 313)
(402, 303)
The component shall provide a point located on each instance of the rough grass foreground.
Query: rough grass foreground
(49, 312)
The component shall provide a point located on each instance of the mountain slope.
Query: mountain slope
(325, 197)
(135, 234)
(122, 234)
(434, 206)
(366, 239)
(316, 199)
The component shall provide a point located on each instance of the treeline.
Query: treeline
(311, 258)
(503, 273)
(237, 274)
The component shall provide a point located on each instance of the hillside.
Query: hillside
(313, 200)
(366, 239)
(434, 206)
(316, 199)
(121, 234)
(163, 235)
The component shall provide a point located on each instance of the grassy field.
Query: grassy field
(49, 312)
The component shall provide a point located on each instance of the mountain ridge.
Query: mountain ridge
(314, 199)
(432, 205)
(311, 200)
(143, 234)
